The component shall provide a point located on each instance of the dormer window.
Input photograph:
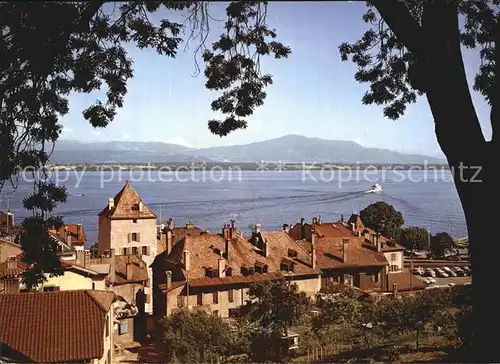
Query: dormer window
(211, 273)
(287, 265)
(292, 253)
(229, 272)
(247, 270)
(260, 267)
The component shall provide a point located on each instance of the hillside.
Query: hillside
(289, 148)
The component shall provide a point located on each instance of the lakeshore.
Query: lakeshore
(244, 166)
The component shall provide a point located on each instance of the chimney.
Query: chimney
(112, 266)
(302, 221)
(141, 206)
(394, 289)
(130, 268)
(11, 263)
(256, 228)
(378, 243)
(342, 218)
(170, 224)
(80, 258)
(78, 230)
(353, 226)
(222, 266)
(68, 238)
(345, 248)
(111, 203)
(187, 260)
(266, 248)
(189, 225)
(313, 248)
(169, 278)
(314, 220)
(225, 232)
(286, 228)
(227, 248)
(86, 261)
(169, 242)
(233, 230)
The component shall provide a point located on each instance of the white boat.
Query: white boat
(375, 188)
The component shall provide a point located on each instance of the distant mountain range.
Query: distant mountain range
(289, 148)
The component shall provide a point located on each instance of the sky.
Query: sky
(313, 93)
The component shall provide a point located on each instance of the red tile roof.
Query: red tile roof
(6, 272)
(205, 252)
(76, 231)
(126, 206)
(329, 254)
(54, 327)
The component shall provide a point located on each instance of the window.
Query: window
(93, 285)
(50, 288)
(135, 250)
(215, 312)
(199, 299)
(123, 328)
(292, 253)
(107, 326)
(180, 301)
(230, 295)
(229, 272)
(215, 297)
(134, 221)
(393, 257)
(134, 237)
(145, 250)
(125, 251)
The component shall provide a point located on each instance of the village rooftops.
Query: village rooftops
(55, 327)
(212, 259)
(127, 204)
(14, 267)
(71, 234)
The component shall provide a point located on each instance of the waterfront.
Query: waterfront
(268, 197)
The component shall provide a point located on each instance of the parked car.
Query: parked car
(442, 274)
(429, 280)
(452, 273)
(418, 271)
(429, 273)
(460, 273)
(446, 269)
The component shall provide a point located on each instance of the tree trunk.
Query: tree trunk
(473, 164)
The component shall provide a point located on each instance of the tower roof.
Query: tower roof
(127, 205)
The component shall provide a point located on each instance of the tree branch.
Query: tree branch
(447, 90)
(495, 98)
(403, 25)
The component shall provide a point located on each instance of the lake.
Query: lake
(212, 198)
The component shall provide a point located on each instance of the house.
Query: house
(72, 235)
(370, 261)
(57, 327)
(128, 226)
(77, 274)
(341, 255)
(393, 252)
(8, 248)
(213, 272)
(128, 278)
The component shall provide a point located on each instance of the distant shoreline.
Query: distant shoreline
(245, 166)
